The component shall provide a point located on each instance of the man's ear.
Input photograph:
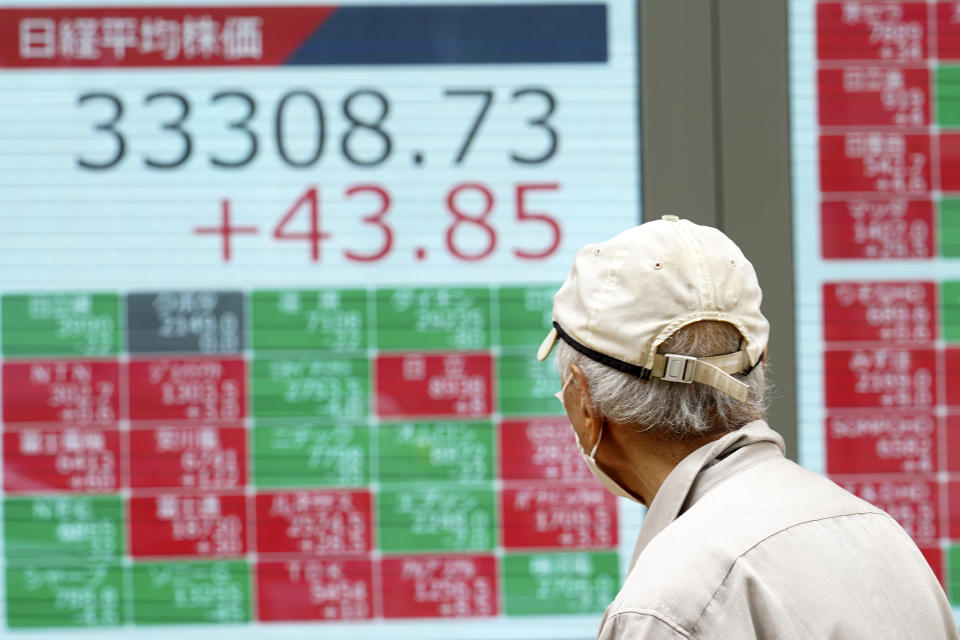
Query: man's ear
(591, 417)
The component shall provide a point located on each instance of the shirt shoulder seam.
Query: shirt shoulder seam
(733, 564)
(654, 614)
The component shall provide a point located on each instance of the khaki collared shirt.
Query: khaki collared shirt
(740, 543)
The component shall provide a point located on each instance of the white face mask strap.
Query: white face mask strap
(559, 396)
(563, 389)
(597, 443)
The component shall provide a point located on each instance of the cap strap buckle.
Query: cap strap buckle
(679, 368)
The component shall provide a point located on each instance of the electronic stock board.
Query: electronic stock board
(272, 279)
(876, 153)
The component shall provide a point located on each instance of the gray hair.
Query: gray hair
(672, 408)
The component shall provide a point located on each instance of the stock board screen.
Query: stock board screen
(876, 151)
(272, 280)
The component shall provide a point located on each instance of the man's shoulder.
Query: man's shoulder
(682, 568)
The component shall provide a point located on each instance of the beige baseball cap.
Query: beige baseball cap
(627, 295)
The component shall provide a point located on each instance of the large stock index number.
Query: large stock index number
(366, 112)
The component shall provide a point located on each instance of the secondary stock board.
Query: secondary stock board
(876, 130)
(272, 279)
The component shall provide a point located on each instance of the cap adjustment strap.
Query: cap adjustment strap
(719, 379)
(709, 370)
(679, 368)
(713, 371)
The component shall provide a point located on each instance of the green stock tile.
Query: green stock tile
(61, 324)
(525, 315)
(948, 96)
(950, 228)
(334, 320)
(433, 318)
(953, 574)
(436, 451)
(559, 583)
(311, 455)
(65, 597)
(191, 592)
(71, 529)
(436, 519)
(950, 311)
(527, 387)
(328, 386)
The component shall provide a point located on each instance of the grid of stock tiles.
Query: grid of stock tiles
(342, 454)
(888, 112)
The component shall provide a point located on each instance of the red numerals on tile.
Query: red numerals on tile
(559, 517)
(882, 443)
(434, 385)
(206, 458)
(314, 522)
(873, 95)
(888, 31)
(540, 449)
(315, 590)
(77, 392)
(439, 586)
(193, 389)
(188, 525)
(879, 311)
(880, 229)
(875, 162)
(83, 460)
(880, 378)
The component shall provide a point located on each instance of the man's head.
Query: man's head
(644, 317)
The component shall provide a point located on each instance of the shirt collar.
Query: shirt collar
(703, 469)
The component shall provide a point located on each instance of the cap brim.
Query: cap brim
(547, 345)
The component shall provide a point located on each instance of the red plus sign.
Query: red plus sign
(225, 229)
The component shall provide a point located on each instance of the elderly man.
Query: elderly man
(662, 349)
